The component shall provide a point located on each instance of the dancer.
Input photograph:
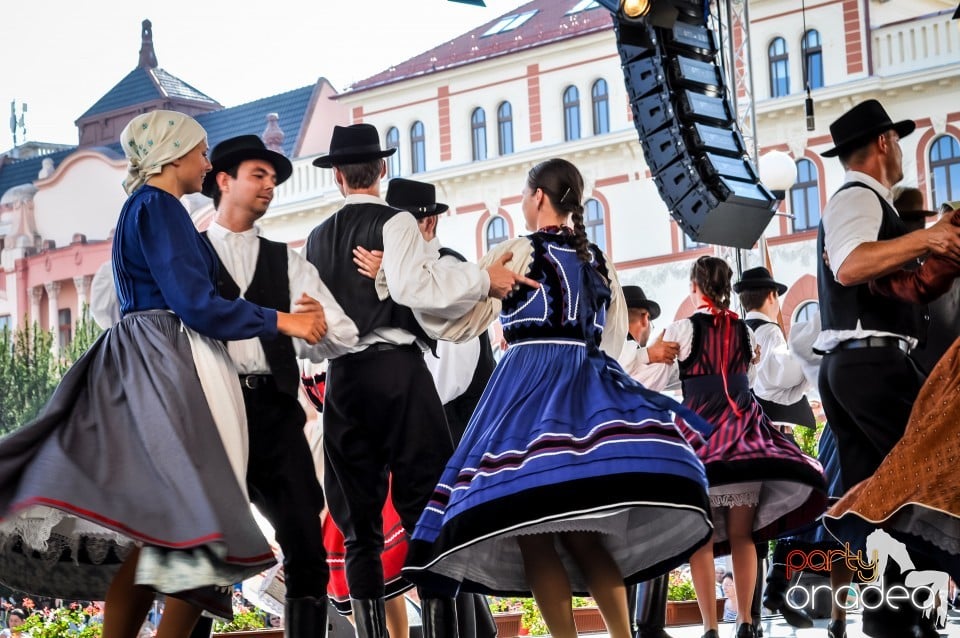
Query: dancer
(761, 484)
(571, 477)
(382, 412)
(154, 402)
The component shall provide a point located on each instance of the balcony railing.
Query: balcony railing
(911, 45)
(306, 182)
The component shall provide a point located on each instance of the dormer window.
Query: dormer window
(509, 23)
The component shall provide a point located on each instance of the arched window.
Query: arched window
(812, 59)
(779, 69)
(806, 311)
(601, 107)
(571, 113)
(478, 126)
(393, 162)
(945, 170)
(505, 128)
(593, 220)
(418, 148)
(805, 197)
(496, 231)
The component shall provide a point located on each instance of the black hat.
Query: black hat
(758, 279)
(231, 152)
(352, 145)
(636, 299)
(420, 198)
(864, 121)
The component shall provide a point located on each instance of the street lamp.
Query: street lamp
(778, 172)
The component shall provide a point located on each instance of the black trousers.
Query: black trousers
(282, 482)
(382, 414)
(867, 394)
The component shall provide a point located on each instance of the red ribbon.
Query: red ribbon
(723, 320)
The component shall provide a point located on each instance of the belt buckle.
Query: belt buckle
(250, 381)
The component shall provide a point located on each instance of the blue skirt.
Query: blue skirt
(561, 441)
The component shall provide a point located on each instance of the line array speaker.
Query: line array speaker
(688, 128)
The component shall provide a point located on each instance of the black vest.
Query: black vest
(329, 248)
(798, 412)
(842, 306)
(467, 402)
(270, 288)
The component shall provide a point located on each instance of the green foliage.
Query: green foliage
(680, 586)
(30, 369)
(807, 439)
(60, 623)
(244, 619)
(532, 619)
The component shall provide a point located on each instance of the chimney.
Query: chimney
(148, 59)
(272, 136)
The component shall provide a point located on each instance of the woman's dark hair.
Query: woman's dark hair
(562, 184)
(19, 613)
(712, 276)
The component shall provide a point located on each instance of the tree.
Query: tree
(30, 368)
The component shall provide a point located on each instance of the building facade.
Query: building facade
(473, 115)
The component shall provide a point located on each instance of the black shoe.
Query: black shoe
(837, 629)
(711, 634)
(793, 617)
(745, 630)
(649, 631)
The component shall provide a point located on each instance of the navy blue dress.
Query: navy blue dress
(562, 440)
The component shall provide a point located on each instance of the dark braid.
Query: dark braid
(712, 276)
(562, 184)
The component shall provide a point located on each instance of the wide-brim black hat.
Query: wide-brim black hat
(353, 144)
(420, 198)
(758, 278)
(857, 126)
(231, 152)
(636, 299)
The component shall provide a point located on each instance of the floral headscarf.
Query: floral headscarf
(152, 140)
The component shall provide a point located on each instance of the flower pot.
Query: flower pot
(588, 620)
(687, 612)
(508, 623)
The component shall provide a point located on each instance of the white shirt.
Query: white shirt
(682, 332)
(413, 275)
(239, 252)
(852, 217)
(635, 361)
(780, 377)
(455, 364)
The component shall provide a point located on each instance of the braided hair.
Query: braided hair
(712, 276)
(562, 184)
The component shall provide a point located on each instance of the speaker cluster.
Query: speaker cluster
(688, 129)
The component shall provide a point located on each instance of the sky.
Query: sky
(61, 56)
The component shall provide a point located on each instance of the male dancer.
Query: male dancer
(459, 370)
(382, 411)
(867, 382)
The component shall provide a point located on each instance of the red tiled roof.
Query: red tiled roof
(548, 25)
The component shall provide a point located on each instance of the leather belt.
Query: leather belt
(872, 342)
(256, 381)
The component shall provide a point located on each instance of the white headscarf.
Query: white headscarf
(153, 140)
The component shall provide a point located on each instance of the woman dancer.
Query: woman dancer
(570, 477)
(132, 479)
(761, 484)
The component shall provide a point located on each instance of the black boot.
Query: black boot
(305, 617)
(837, 629)
(203, 628)
(652, 608)
(466, 616)
(370, 617)
(486, 625)
(439, 617)
(774, 598)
